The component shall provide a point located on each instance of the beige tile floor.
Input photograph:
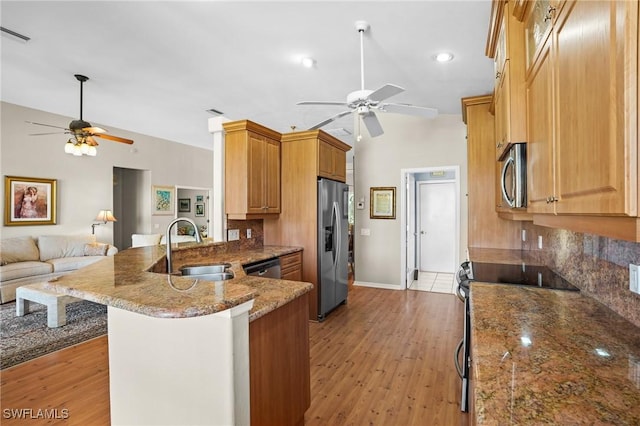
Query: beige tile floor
(438, 282)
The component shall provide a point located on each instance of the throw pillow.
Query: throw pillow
(96, 249)
(19, 249)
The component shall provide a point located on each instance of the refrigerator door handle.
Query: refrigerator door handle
(336, 233)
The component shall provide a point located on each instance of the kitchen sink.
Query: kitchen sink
(216, 268)
(215, 276)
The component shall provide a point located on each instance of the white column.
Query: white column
(218, 219)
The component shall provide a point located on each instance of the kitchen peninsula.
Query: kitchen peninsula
(179, 349)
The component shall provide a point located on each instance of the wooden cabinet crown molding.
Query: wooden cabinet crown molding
(495, 19)
(316, 134)
(242, 125)
(474, 100)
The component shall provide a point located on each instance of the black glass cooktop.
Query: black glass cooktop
(522, 274)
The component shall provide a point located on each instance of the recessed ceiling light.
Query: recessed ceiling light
(444, 57)
(307, 62)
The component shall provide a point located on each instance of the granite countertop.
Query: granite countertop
(136, 280)
(551, 357)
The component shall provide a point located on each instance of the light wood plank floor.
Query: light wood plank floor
(385, 358)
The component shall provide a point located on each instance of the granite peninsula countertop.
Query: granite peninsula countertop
(136, 280)
(551, 357)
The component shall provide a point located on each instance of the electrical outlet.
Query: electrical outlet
(365, 231)
(540, 242)
(233, 234)
(634, 278)
(248, 232)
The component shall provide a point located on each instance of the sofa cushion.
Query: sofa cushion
(65, 264)
(17, 270)
(19, 249)
(96, 249)
(57, 246)
(178, 239)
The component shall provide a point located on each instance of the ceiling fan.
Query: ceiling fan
(365, 102)
(83, 132)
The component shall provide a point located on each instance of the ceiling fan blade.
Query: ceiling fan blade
(372, 124)
(93, 130)
(329, 120)
(385, 92)
(321, 103)
(114, 138)
(91, 141)
(409, 110)
(48, 125)
(50, 133)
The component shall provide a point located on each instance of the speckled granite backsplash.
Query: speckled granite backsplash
(257, 234)
(599, 266)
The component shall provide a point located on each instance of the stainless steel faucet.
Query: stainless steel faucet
(168, 238)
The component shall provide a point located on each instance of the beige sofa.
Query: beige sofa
(28, 260)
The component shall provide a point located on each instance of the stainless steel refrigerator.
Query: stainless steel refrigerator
(333, 211)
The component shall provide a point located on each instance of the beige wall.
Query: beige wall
(85, 184)
(408, 142)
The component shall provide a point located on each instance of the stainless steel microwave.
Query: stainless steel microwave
(513, 179)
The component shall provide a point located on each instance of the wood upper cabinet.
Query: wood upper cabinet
(332, 161)
(252, 170)
(485, 228)
(582, 103)
(506, 45)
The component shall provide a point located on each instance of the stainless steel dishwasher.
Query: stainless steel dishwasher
(269, 268)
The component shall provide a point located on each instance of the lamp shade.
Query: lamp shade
(106, 216)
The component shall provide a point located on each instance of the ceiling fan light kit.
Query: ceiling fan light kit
(83, 142)
(364, 102)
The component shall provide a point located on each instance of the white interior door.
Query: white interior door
(411, 226)
(437, 226)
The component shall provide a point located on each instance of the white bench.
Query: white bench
(56, 303)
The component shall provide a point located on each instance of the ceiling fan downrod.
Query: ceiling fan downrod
(362, 26)
(81, 79)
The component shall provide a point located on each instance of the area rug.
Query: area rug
(28, 337)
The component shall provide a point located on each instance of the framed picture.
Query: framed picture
(184, 205)
(199, 198)
(383, 203)
(162, 200)
(29, 201)
(199, 209)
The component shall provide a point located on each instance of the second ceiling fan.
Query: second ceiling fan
(365, 102)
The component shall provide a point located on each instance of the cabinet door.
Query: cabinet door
(272, 176)
(594, 174)
(540, 136)
(537, 28)
(325, 159)
(257, 179)
(502, 112)
(339, 164)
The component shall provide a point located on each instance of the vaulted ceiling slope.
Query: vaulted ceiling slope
(156, 67)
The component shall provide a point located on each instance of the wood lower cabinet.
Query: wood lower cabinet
(302, 153)
(252, 170)
(279, 366)
(291, 266)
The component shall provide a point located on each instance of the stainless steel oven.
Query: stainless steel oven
(513, 178)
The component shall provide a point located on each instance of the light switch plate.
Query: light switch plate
(365, 231)
(233, 234)
(634, 278)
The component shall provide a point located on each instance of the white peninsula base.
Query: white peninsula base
(179, 371)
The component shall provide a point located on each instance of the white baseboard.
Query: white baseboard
(377, 285)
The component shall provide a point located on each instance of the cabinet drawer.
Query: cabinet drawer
(289, 260)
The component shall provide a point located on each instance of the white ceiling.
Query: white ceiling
(155, 67)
